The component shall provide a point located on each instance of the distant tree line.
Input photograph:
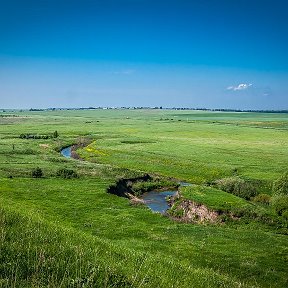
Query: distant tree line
(229, 110)
(37, 136)
(151, 107)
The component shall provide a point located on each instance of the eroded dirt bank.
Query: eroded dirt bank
(124, 187)
(189, 211)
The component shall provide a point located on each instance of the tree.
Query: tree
(37, 172)
(55, 134)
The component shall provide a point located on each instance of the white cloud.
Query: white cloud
(124, 72)
(242, 86)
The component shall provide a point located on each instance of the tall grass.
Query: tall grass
(37, 253)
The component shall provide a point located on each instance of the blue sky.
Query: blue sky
(213, 54)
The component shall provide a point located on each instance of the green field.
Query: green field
(57, 232)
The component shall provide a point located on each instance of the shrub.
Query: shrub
(37, 136)
(37, 172)
(285, 214)
(262, 198)
(237, 186)
(67, 173)
(280, 186)
(55, 134)
(280, 204)
(244, 212)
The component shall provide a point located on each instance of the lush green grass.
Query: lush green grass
(80, 228)
(37, 253)
(196, 151)
(234, 210)
(213, 198)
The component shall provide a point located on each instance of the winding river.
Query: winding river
(155, 200)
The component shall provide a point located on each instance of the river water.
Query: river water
(66, 152)
(155, 200)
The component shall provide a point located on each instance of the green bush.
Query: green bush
(237, 186)
(37, 136)
(67, 173)
(37, 172)
(55, 134)
(280, 204)
(285, 214)
(280, 186)
(245, 212)
(262, 198)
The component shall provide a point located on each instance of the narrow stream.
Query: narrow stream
(155, 200)
(66, 152)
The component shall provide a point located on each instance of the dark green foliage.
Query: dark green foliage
(38, 136)
(55, 134)
(280, 186)
(37, 172)
(67, 173)
(258, 214)
(247, 212)
(140, 185)
(285, 214)
(237, 186)
(280, 204)
(262, 198)
(136, 141)
(280, 195)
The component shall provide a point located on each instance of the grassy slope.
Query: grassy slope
(213, 198)
(197, 151)
(38, 253)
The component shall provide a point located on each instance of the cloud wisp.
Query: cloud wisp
(124, 72)
(240, 87)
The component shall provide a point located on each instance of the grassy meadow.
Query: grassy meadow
(57, 232)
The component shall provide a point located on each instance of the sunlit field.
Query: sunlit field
(58, 232)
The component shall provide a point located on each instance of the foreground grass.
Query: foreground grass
(69, 232)
(83, 205)
(36, 253)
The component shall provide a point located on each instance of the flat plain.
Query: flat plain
(58, 232)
